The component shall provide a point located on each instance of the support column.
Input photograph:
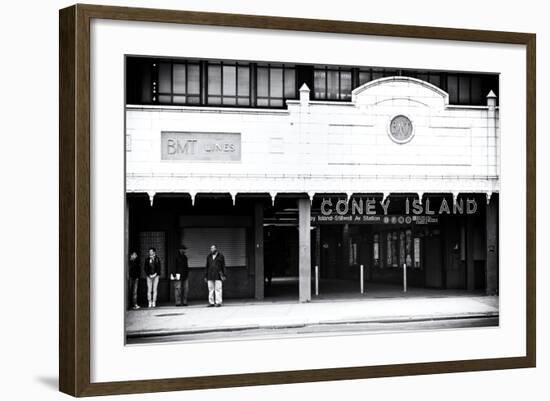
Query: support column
(491, 268)
(126, 251)
(470, 269)
(259, 250)
(493, 142)
(318, 246)
(344, 261)
(304, 252)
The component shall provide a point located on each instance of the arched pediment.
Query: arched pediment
(399, 87)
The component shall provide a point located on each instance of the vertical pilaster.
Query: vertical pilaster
(259, 250)
(318, 246)
(493, 143)
(345, 254)
(126, 251)
(491, 269)
(304, 96)
(304, 253)
(470, 269)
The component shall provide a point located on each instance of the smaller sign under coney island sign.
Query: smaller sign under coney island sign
(391, 220)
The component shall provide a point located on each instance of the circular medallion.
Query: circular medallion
(401, 129)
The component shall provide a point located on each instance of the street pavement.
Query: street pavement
(321, 330)
(331, 314)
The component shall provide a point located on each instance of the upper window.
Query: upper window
(463, 88)
(370, 74)
(228, 84)
(332, 83)
(178, 82)
(275, 84)
(221, 83)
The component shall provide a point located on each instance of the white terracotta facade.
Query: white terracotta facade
(322, 146)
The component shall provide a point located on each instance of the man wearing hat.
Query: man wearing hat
(181, 276)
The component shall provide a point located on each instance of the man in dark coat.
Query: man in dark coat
(215, 274)
(152, 270)
(134, 272)
(180, 278)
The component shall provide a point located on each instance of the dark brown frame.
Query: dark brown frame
(74, 202)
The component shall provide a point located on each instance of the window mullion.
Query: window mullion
(326, 83)
(171, 82)
(253, 89)
(237, 84)
(283, 88)
(186, 82)
(269, 85)
(221, 83)
(339, 84)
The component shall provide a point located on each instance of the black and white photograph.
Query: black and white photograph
(272, 199)
(290, 200)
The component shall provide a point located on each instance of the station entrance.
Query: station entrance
(281, 262)
(290, 250)
(397, 248)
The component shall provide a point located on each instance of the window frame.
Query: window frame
(338, 70)
(172, 93)
(464, 93)
(223, 63)
(269, 98)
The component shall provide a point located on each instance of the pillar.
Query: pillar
(318, 246)
(345, 254)
(259, 250)
(304, 250)
(126, 250)
(304, 96)
(491, 265)
(470, 268)
(493, 142)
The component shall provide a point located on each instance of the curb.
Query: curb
(387, 320)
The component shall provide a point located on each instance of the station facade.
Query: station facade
(351, 172)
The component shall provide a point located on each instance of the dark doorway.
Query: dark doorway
(480, 275)
(339, 249)
(281, 261)
(433, 262)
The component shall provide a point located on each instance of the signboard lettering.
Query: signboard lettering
(317, 219)
(201, 146)
(364, 211)
(368, 207)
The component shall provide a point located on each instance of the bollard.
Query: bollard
(316, 280)
(404, 277)
(362, 279)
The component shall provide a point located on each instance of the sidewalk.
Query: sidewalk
(250, 315)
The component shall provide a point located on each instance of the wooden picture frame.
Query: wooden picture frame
(74, 203)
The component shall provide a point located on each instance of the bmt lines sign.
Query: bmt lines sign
(201, 146)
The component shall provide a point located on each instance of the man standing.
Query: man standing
(181, 277)
(134, 278)
(215, 274)
(152, 270)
